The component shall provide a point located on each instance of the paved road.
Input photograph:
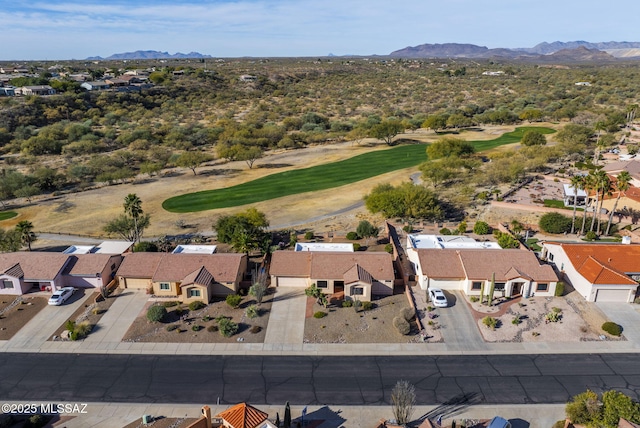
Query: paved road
(495, 379)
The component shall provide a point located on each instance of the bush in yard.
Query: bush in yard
(347, 303)
(83, 329)
(352, 236)
(356, 246)
(474, 299)
(612, 328)
(212, 328)
(555, 223)
(590, 236)
(357, 305)
(226, 327)
(402, 325)
(367, 305)
(408, 313)
(552, 316)
(234, 300)
(559, 289)
(320, 314)
(196, 305)
(255, 329)
(490, 322)
(169, 304)
(309, 235)
(196, 327)
(172, 327)
(70, 326)
(445, 231)
(388, 248)
(516, 320)
(481, 228)
(156, 313)
(252, 311)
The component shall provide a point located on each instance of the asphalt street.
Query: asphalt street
(352, 380)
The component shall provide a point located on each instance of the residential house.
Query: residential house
(323, 246)
(91, 270)
(116, 82)
(7, 91)
(632, 166)
(98, 85)
(599, 272)
(36, 90)
(572, 194)
(629, 201)
(194, 249)
(359, 275)
(244, 415)
(186, 277)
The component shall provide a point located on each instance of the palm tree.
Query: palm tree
(622, 185)
(599, 126)
(577, 184)
(25, 231)
(586, 186)
(599, 181)
(605, 187)
(133, 208)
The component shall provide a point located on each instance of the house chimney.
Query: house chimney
(206, 413)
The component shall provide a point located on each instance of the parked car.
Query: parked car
(499, 422)
(438, 298)
(61, 296)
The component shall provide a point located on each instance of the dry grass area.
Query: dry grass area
(179, 327)
(345, 325)
(91, 312)
(16, 311)
(87, 212)
(579, 321)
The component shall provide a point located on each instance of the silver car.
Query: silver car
(61, 296)
(438, 298)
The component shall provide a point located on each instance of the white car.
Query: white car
(438, 298)
(61, 296)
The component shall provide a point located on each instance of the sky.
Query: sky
(77, 29)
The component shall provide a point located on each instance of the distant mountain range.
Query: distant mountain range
(566, 51)
(149, 55)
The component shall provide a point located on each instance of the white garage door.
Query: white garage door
(284, 281)
(612, 295)
(135, 283)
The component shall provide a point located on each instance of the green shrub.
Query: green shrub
(612, 328)
(356, 246)
(357, 305)
(445, 231)
(169, 304)
(408, 228)
(252, 311)
(36, 421)
(309, 235)
(559, 289)
(156, 313)
(96, 311)
(590, 236)
(255, 329)
(347, 303)
(490, 322)
(196, 305)
(408, 313)
(367, 306)
(481, 228)
(226, 327)
(196, 327)
(145, 247)
(83, 329)
(474, 299)
(388, 248)
(172, 327)
(402, 325)
(552, 316)
(234, 300)
(352, 236)
(206, 318)
(516, 320)
(70, 325)
(320, 314)
(73, 335)
(555, 223)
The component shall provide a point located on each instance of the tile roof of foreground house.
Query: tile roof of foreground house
(603, 263)
(140, 265)
(243, 415)
(86, 264)
(481, 264)
(35, 265)
(332, 265)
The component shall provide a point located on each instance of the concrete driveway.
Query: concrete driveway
(46, 322)
(458, 327)
(625, 314)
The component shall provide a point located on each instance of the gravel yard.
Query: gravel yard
(16, 311)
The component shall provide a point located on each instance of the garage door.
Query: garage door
(284, 281)
(141, 283)
(612, 295)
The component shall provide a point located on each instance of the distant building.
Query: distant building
(36, 90)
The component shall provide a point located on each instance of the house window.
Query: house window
(499, 286)
(6, 284)
(322, 284)
(542, 286)
(165, 286)
(194, 292)
(113, 267)
(550, 257)
(357, 291)
(476, 285)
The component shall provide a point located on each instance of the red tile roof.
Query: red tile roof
(243, 415)
(603, 263)
(35, 265)
(88, 264)
(139, 265)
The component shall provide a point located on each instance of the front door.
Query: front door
(516, 289)
(338, 286)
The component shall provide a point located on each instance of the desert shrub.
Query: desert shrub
(347, 303)
(196, 327)
(552, 316)
(408, 313)
(156, 313)
(83, 328)
(388, 248)
(408, 228)
(172, 327)
(233, 300)
(357, 305)
(402, 325)
(559, 289)
(474, 299)
(145, 247)
(481, 228)
(252, 311)
(556, 310)
(352, 236)
(516, 320)
(96, 311)
(206, 318)
(559, 424)
(70, 325)
(356, 246)
(170, 304)
(196, 305)
(590, 236)
(612, 328)
(445, 231)
(212, 328)
(320, 314)
(367, 305)
(555, 223)
(243, 292)
(36, 421)
(490, 322)
(226, 327)
(73, 335)
(309, 235)
(255, 329)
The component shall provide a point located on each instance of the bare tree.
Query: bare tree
(403, 398)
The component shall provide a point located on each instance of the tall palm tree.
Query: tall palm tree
(599, 126)
(587, 185)
(622, 185)
(601, 185)
(25, 231)
(577, 184)
(133, 208)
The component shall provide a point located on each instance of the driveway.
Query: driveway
(46, 322)
(458, 327)
(626, 315)
(286, 321)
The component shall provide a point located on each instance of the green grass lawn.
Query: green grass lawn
(6, 215)
(555, 203)
(321, 177)
(532, 243)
